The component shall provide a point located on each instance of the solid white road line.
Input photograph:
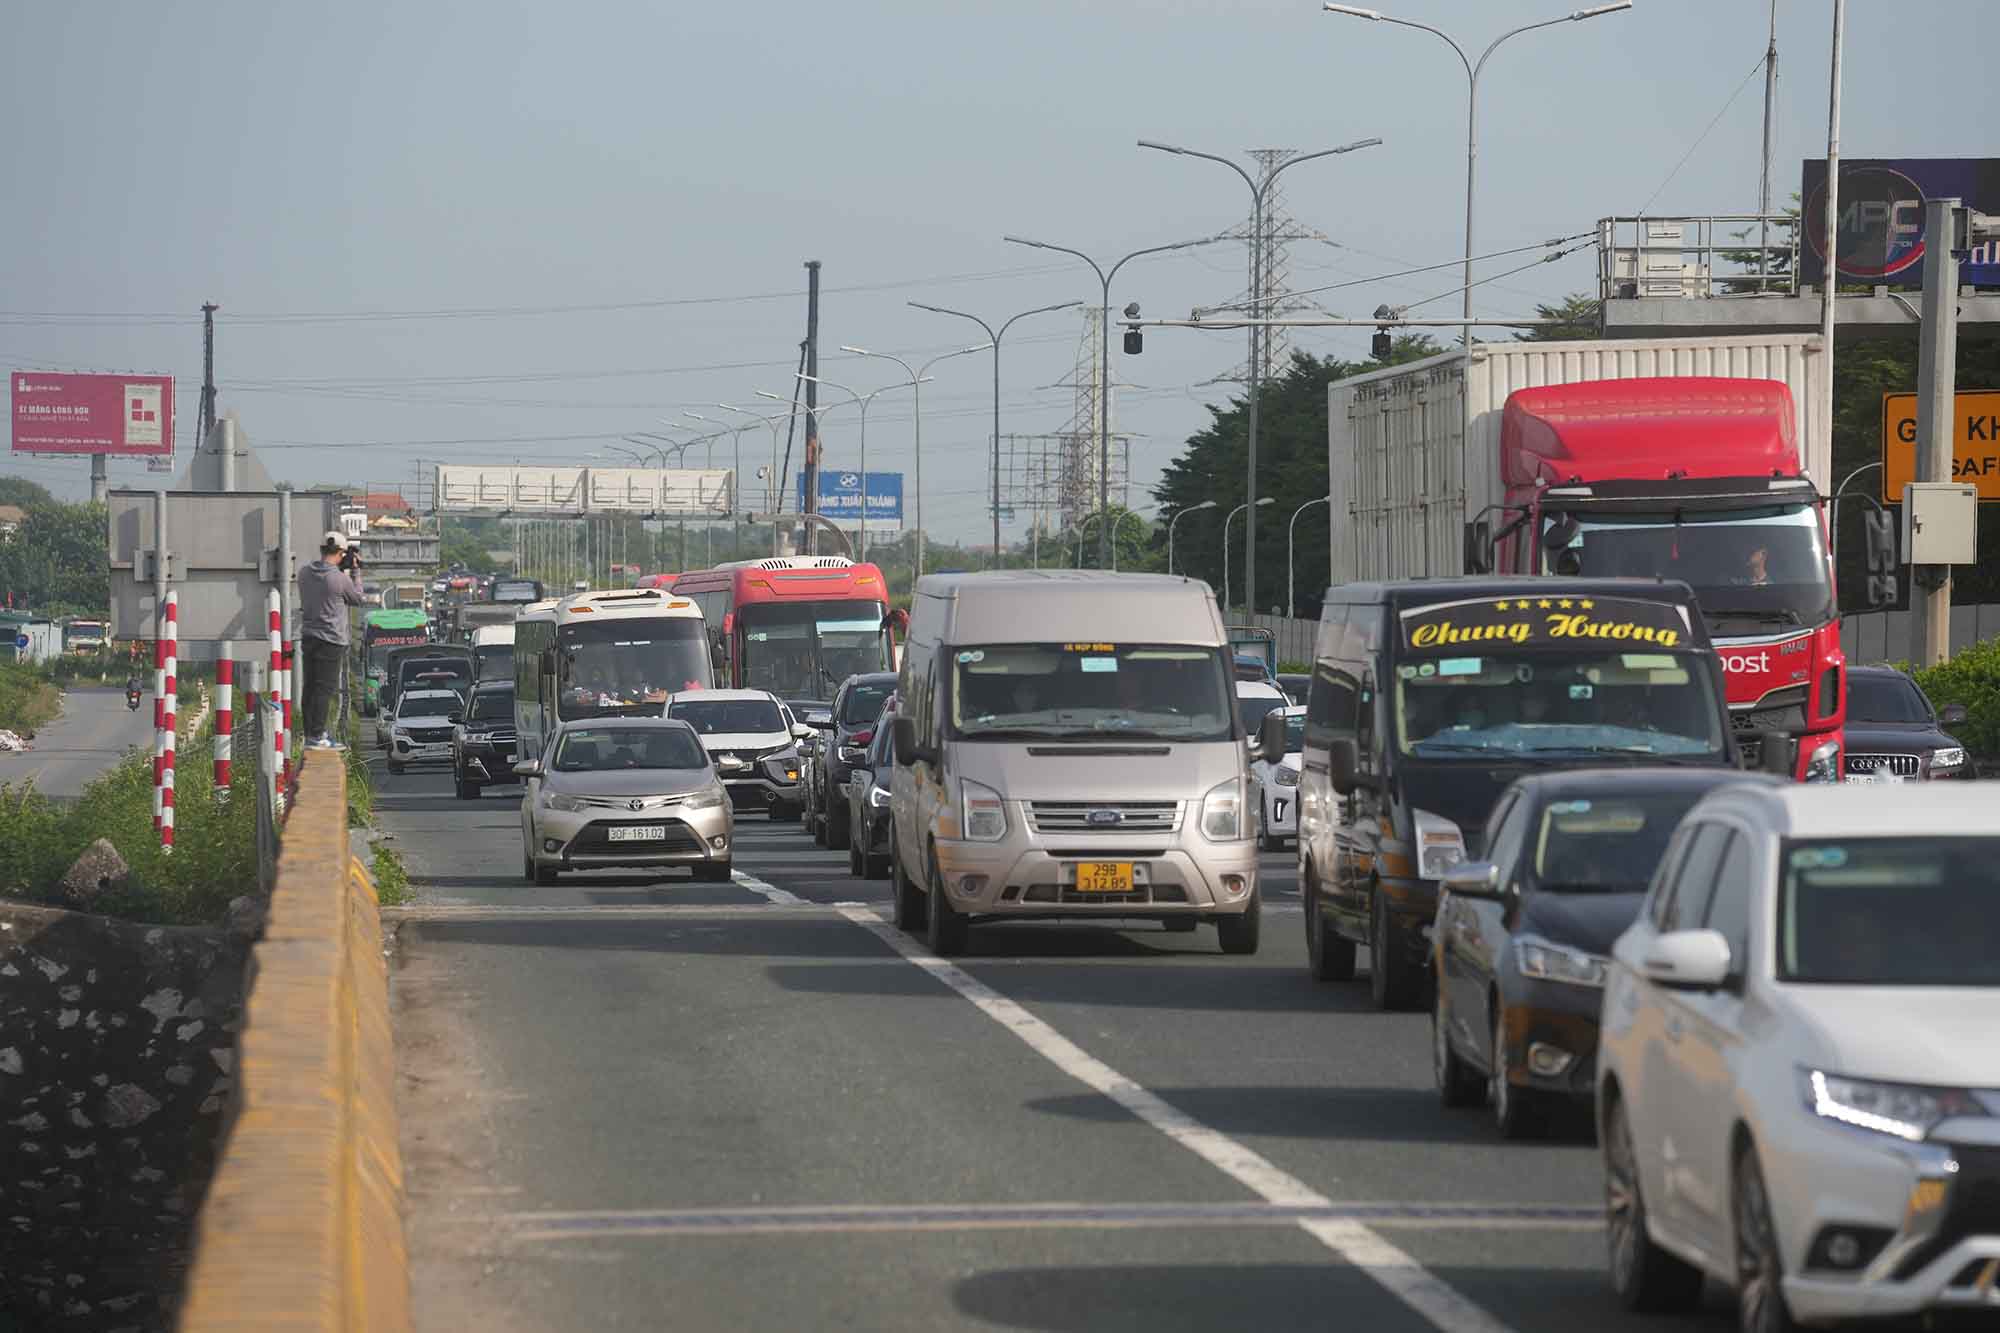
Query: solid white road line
(770, 891)
(1353, 1241)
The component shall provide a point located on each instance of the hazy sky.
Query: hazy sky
(286, 159)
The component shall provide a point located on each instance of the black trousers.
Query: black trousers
(322, 663)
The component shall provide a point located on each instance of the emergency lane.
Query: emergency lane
(701, 1099)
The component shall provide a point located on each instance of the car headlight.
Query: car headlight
(1288, 777)
(985, 813)
(555, 800)
(1902, 1110)
(853, 754)
(1440, 845)
(706, 799)
(1824, 766)
(1951, 756)
(478, 737)
(1222, 812)
(1545, 961)
(878, 797)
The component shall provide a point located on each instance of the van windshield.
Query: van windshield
(1083, 691)
(1558, 705)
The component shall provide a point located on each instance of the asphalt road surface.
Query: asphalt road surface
(639, 1102)
(93, 732)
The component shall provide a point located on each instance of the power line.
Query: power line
(1754, 69)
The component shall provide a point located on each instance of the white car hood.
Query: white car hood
(744, 742)
(1941, 1035)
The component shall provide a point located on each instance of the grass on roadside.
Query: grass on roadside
(392, 881)
(28, 700)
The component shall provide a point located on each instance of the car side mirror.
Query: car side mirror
(1474, 879)
(800, 731)
(1778, 754)
(1952, 715)
(1271, 737)
(455, 718)
(528, 768)
(820, 722)
(1688, 960)
(1343, 762)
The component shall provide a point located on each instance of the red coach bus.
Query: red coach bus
(794, 625)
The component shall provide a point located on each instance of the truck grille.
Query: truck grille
(1902, 765)
(1114, 817)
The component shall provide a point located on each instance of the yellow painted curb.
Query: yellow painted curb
(302, 1228)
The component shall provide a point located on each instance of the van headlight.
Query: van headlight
(706, 799)
(1222, 812)
(985, 813)
(1824, 766)
(1440, 845)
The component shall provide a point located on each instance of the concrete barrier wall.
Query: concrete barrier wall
(302, 1228)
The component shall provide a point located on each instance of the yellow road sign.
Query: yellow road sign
(1975, 442)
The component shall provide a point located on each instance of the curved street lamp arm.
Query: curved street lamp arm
(1038, 310)
(962, 314)
(1159, 250)
(1060, 249)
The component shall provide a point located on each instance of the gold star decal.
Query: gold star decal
(1545, 603)
(1499, 606)
(1566, 603)
(1586, 604)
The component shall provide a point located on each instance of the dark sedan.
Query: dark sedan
(1522, 938)
(846, 733)
(1894, 735)
(868, 802)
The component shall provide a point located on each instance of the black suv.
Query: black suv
(482, 742)
(1893, 733)
(843, 748)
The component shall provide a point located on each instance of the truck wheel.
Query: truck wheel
(1393, 982)
(1238, 934)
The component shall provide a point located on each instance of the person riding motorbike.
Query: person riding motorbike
(132, 692)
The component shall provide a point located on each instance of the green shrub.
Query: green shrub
(1973, 679)
(27, 699)
(392, 881)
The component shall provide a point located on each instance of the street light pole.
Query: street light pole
(863, 399)
(993, 338)
(1291, 559)
(1472, 70)
(1104, 363)
(1175, 520)
(1227, 547)
(917, 378)
(1259, 190)
(1118, 523)
(1833, 515)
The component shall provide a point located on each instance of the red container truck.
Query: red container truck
(1677, 458)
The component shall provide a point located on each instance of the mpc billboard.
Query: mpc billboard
(840, 497)
(93, 414)
(1881, 225)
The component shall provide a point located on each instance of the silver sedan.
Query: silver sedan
(623, 792)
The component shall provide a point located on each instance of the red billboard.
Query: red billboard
(93, 414)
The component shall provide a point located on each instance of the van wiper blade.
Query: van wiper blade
(1024, 734)
(1423, 748)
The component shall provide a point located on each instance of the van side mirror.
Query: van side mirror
(1778, 754)
(528, 768)
(903, 739)
(1479, 547)
(1878, 542)
(1688, 960)
(1271, 737)
(1952, 715)
(1343, 762)
(1474, 879)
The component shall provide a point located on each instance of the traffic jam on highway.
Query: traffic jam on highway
(1666, 874)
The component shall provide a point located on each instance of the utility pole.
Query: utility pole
(208, 310)
(811, 503)
(1937, 372)
(1764, 177)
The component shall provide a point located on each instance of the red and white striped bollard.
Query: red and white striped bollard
(171, 635)
(225, 722)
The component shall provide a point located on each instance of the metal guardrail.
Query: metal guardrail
(1697, 256)
(302, 1227)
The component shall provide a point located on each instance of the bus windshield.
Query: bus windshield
(1513, 705)
(607, 665)
(1756, 570)
(804, 649)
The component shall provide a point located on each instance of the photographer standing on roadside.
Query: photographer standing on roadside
(327, 587)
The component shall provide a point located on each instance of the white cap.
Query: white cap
(334, 541)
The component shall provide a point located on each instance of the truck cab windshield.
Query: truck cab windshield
(1753, 571)
(1558, 705)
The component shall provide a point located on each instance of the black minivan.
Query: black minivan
(1429, 697)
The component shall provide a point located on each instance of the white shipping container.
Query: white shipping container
(1413, 451)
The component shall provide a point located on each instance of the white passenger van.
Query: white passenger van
(1069, 746)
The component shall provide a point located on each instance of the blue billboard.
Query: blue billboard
(1881, 225)
(840, 497)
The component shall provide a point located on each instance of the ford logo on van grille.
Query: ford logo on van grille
(1104, 818)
